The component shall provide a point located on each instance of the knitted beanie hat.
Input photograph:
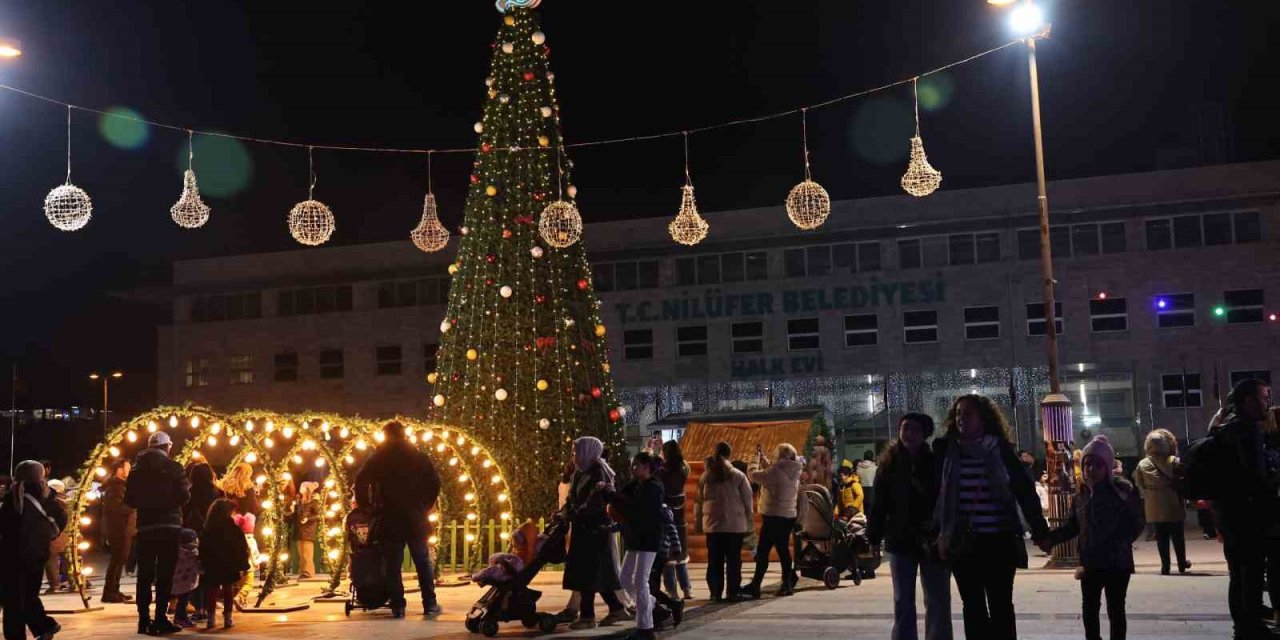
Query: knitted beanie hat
(1100, 446)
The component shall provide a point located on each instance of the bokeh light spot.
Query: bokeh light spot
(936, 91)
(882, 130)
(116, 127)
(223, 165)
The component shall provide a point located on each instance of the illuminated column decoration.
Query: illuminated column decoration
(1055, 417)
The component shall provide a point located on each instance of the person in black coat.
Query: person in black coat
(204, 491)
(224, 557)
(400, 485)
(158, 489)
(30, 518)
(639, 504)
(589, 567)
(120, 525)
(674, 474)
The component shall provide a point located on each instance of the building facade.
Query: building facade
(1167, 286)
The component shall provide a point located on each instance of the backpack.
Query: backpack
(1201, 474)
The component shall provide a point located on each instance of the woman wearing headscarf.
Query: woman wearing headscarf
(30, 518)
(589, 567)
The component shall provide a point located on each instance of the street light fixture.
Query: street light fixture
(106, 379)
(10, 48)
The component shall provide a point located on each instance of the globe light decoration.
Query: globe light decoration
(190, 211)
(310, 221)
(921, 179)
(808, 204)
(67, 206)
(430, 235)
(560, 224)
(688, 227)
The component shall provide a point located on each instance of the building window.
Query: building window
(757, 265)
(1243, 306)
(1247, 226)
(1181, 390)
(909, 254)
(748, 337)
(637, 344)
(1240, 376)
(861, 330)
(1175, 310)
(733, 267)
(1110, 314)
(1112, 234)
(708, 269)
(793, 263)
(1075, 240)
(601, 279)
(1036, 325)
(819, 261)
(981, 323)
(217, 308)
(286, 367)
(298, 302)
(409, 293)
(686, 272)
(429, 353)
(691, 341)
(970, 248)
(1159, 234)
(919, 326)
(960, 248)
(387, 360)
(241, 369)
(802, 334)
(1028, 244)
(198, 372)
(1210, 229)
(331, 367)
(1186, 232)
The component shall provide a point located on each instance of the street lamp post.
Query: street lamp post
(106, 379)
(1027, 21)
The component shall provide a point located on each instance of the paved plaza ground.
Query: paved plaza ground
(1048, 606)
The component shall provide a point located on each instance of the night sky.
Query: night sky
(1126, 87)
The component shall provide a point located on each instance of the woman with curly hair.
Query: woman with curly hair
(983, 485)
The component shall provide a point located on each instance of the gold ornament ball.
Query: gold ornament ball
(542, 385)
(600, 331)
(472, 354)
(544, 141)
(453, 268)
(438, 400)
(509, 20)
(606, 367)
(432, 377)
(491, 190)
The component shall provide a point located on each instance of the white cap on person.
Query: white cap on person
(159, 439)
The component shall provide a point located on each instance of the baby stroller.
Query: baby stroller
(368, 567)
(825, 548)
(512, 599)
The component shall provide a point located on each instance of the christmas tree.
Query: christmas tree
(522, 361)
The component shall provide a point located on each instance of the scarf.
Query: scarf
(945, 511)
(587, 453)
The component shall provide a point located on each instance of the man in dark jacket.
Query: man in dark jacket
(30, 517)
(1249, 506)
(120, 526)
(399, 485)
(903, 517)
(157, 488)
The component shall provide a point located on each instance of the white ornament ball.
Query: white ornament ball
(479, 127)
(544, 424)
(445, 326)
(507, 47)
(500, 394)
(536, 252)
(438, 400)
(572, 191)
(546, 112)
(488, 82)
(68, 207)
(504, 98)
(539, 37)
(465, 230)
(505, 291)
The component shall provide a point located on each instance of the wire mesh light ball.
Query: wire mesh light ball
(311, 222)
(560, 225)
(190, 211)
(68, 207)
(808, 205)
(430, 235)
(688, 227)
(921, 179)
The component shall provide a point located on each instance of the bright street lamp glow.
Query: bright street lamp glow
(1001, 3)
(10, 48)
(1026, 20)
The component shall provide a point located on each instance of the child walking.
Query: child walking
(186, 574)
(1107, 516)
(224, 556)
(640, 503)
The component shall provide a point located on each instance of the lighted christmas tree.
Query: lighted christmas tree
(522, 361)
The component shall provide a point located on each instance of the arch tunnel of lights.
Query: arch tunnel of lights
(284, 448)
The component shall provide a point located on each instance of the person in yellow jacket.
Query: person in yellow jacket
(851, 494)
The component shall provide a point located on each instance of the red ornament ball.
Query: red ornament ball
(486, 147)
(506, 233)
(475, 179)
(582, 284)
(614, 415)
(539, 298)
(528, 76)
(596, 392)
(490, 258)
(488, 281)
(539, 196)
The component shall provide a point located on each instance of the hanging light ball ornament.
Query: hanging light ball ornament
(430, 235)
(190, 211)
(921, 179)
(68, 207)
(560, 224)
(808, 205)
(688, 228)
(311, 222)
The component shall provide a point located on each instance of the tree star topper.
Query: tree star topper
(504, 5)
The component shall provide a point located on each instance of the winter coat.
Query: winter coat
(1154, 478)
(1250, 507)
(25, 537)
(778, 485)
(197, 509)
(851, 494)
(906, 492)
(401, 484)
(186, 573)
(1108, 519)
(673, 483)
(589, 565)
(640, 504)
(309, 515)
(867, 470)
(672, 540)
(119, 520)
(724, 507)
(224, 553)
(158, 489)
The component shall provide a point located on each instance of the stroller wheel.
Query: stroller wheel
(857, 576)
(546, 623)
(473, 625)
(489, 628)
(530, 621)
(348, 607)
(831, 577)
